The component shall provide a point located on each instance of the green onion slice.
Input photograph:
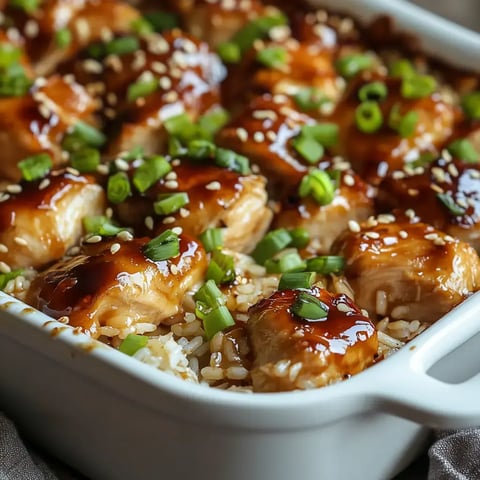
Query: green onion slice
(374, 91)
(142, 26)
(229, 52)
(118, 187)
(6, 277)
(272, 243)
(221, 268)
(350, 65)
(141, 89)
(89, 135)
(201, 149)
(310, 98)
(325, 133)
(404, 125)
(326, 264)
(212, 238)
(133, 343)
(300, 237)
(14, 84)
(210, 295)
(450, 204)
(149, 172)
(471, 105)
(272, 57)
(289, 262)
(162, 21)
(169, 203)
(28, 6)
(35, 167)
(101, 225)
(296, 280)
(319, 185)
(122, 45)
(233, 161)
(402, 69)
(213, 121)
(63, 37)
(309, 308)
(464, 150)
(85, 160)
(368, 117)
(418, 86)
(310, 150)
(217, 320)
(9, 55)
(163, 247)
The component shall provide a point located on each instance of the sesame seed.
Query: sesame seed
(94, 239)
(125, 235)
(452, 169)
(4, 197)
(431, 236)
(44, 111)
(159, 67)
(386, 218)
(112, 98)
(106, 34)
(14, 188)
(44, 184)
(64, 319)
(371, 222)
(372, 235)
(403, 234)
(20, 241)
(114, 62)
(439, 241)
(213, 186)
(171, 184)
(173, 269)
(115, 248)
(176, 162)
(264, 115)
(413, 192)
(446, 155)
(258, 137)
(122, 164)
(461, 202)
(177, 230)
(31, 29)
(103, 169)
(353, 226)
(184, 213)
(171, 97)
(4, 268)
(171, 176)
(271, 135)
(344, 308)
(436, 188)
(149, 223)
(92, 66)
(168, 220)
(448, 238)
(165, 83)
(3, 248)
(349, 180)
(242, 134)
(410, 213)
(72, 171)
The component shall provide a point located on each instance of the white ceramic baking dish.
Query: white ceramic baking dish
(112, 417)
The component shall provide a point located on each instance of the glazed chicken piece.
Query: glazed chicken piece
(406, 269)
(373, 155)
(43, 219)
(353, 200)
(264, 132)
(292, 353)
(217, 21)
(113, 283)
(445, 193)
(79, 22)
(37, 121)
(181, 75)
(216, 198)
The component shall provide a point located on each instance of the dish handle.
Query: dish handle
(407, 389)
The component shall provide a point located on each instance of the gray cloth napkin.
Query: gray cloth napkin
(455, 455)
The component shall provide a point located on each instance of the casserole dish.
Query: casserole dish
(112, 417)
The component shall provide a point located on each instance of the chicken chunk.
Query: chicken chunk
(37, 122)
(114, 284)
(292, 353)
(407, 270)
(84, 21)
(445, 193)
(353, 200)
(263, 132)
(374, 154)
(40, 222)
(216, 198)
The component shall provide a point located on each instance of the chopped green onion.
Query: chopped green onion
(471, 105)
(233, 161)
(163, 247)
(210, 295)
(118, 187)
(180, 126)
(217, 320)
(15, 85)
(229, 52)
(63, 37)
(162, 21)
(141, 89)
(6, 277)
(122, 45)
(256, 29)
(149, 172)
(212, 238)
(35, 167)
(296, 280)
(464, 150)
(168, 203)
(201, 149)
(101, 225)
(90, 135)
(72, 143)
(85, 160)
(423, 160)
(289, 262)
(450, 204)
(28, 6)
(96, 50)
(175, 147)
(404, 125)
(272, 243)
(308, 148)
(402, 68)
(133, 343)
(368, 117)
(375, 91)
(310, 98)
(135, 153)
(300, 237)
(326, 264)
(325, 133)
(213, 121)
(141, 26)
(350, 65)
(9, 55)
(308, 307)
(272, 57)
(221, 268)
(319, 185)
(418, 86)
